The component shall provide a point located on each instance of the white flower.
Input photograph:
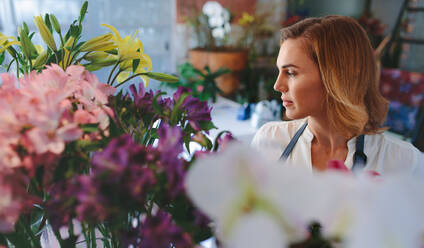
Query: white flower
(229, 185)
(246, 235)
(216, 21)
(218, 33)
(225, 13)
(212, 8)
(253, 201)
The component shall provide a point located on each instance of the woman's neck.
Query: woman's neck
(325, 136)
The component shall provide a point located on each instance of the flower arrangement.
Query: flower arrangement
(84, 162)
(212, 28)
(255, 203)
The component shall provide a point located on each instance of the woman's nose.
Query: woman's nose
(280, 84)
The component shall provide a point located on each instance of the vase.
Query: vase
(235, 60)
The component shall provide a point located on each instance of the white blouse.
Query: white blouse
(384, 153)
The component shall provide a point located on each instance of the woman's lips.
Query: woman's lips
(287, 103)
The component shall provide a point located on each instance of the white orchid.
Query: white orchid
(255, 203)
(237, 183)
(212, 8)
(218, 19)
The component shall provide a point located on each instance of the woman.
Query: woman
(328, 81)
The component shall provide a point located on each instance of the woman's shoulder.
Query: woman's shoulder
(394, 153)
(277, 131)
(282, 127)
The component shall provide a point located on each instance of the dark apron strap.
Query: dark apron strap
(359, 158)
(293, 142)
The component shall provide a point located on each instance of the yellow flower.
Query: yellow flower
(7, 41)
(99, 43)
(45, 33)
(128, 47)
(145, 65)
(246, 19)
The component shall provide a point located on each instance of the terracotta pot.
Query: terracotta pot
(236, 61)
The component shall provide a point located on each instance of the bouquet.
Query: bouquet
(83, 162)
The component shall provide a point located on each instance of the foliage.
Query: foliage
(202, 83)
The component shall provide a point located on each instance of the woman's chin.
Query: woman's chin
(292, 115)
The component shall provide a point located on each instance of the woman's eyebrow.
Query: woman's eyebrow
(289, 65)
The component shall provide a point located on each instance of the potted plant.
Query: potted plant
(212, 28)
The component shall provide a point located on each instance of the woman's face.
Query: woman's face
(299, 81)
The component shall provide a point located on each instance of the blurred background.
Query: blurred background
(233, 44)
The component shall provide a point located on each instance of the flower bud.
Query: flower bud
(25, 42)
(99, 43)
(41, 59)
(45, 33)
(55, 23)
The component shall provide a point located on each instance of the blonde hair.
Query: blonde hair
(340, 48)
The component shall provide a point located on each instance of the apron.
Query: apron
(359, 158)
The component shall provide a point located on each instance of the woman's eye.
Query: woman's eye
(290, 74)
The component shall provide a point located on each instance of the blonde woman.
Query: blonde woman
(328, 82)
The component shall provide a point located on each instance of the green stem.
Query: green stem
(86, 237)
(27, 228)
(93, 236)
(111, 72)
(82, 57)
(10, 64)
(57, 60)
(116, 75)
(17, 69)
(131, 77)
(70, 51)
(72, 58)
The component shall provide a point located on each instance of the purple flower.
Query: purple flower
(158, 231)
(92, 204)
(170, 145)
(196, 111)
(142, 99)
(78, 197)
(170, 140)
(123, 167)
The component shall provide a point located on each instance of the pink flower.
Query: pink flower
(337, 165)
(53, 140)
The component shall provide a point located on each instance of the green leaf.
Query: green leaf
(3, 240)
(162, 77)
(2, 56)
(206, 125)
(135, 64)
(83, 11)
(187, 140)
(25, 26)
(48, 23)
(90, 128)
(55, 23)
